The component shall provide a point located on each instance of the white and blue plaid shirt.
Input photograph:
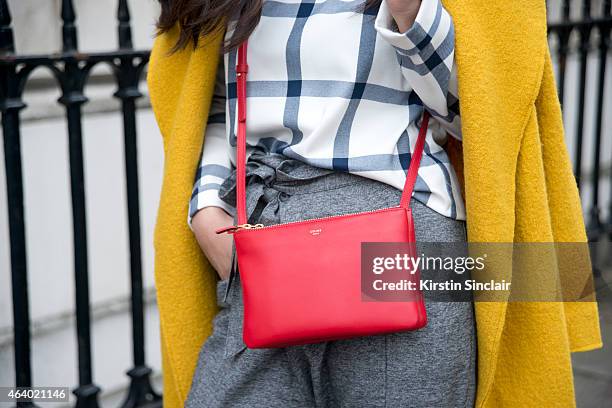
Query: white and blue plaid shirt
(341, 89)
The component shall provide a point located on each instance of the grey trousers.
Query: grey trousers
(431, 367)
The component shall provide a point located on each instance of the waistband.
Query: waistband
(271, 177)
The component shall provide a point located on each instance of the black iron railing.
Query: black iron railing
(592, 33)
(71, 70)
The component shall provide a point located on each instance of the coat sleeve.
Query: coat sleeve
(181, 87)
(582, 317)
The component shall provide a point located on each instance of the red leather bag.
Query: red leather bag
(301, 281)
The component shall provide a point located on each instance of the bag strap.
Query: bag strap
(242, 69)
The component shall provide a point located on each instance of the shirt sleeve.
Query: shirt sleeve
(426, 54)
(215, 162)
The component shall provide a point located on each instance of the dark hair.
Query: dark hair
(197, 18)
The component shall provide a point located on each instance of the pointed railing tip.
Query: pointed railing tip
(123, 11)
(566, 10)
(586, 8)
(69, 33)
(7, 43)
(5, 14)
(68, 14)
(124, 29)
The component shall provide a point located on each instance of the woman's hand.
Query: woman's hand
(216, 247)
(404, 12)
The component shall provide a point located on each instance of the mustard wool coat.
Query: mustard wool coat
(518, 187)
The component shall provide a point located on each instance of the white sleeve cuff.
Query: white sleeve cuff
(207, 198)
(406, 41)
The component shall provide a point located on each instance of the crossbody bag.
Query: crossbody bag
(301, 281)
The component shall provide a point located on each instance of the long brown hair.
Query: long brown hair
(197, 18)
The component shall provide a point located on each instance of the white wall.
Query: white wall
(37, 24)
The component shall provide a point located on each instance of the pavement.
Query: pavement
(593, 369)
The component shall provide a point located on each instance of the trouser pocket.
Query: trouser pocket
(232, 273)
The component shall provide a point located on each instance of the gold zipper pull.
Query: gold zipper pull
(233, 228)
(251, 226)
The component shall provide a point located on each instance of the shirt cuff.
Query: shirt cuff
(408, 41)
(207, 198)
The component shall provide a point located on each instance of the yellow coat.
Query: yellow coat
(518, 187)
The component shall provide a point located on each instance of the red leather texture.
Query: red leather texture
(303, 287)
(301, 281)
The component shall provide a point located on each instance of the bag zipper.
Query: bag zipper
(235, 228)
